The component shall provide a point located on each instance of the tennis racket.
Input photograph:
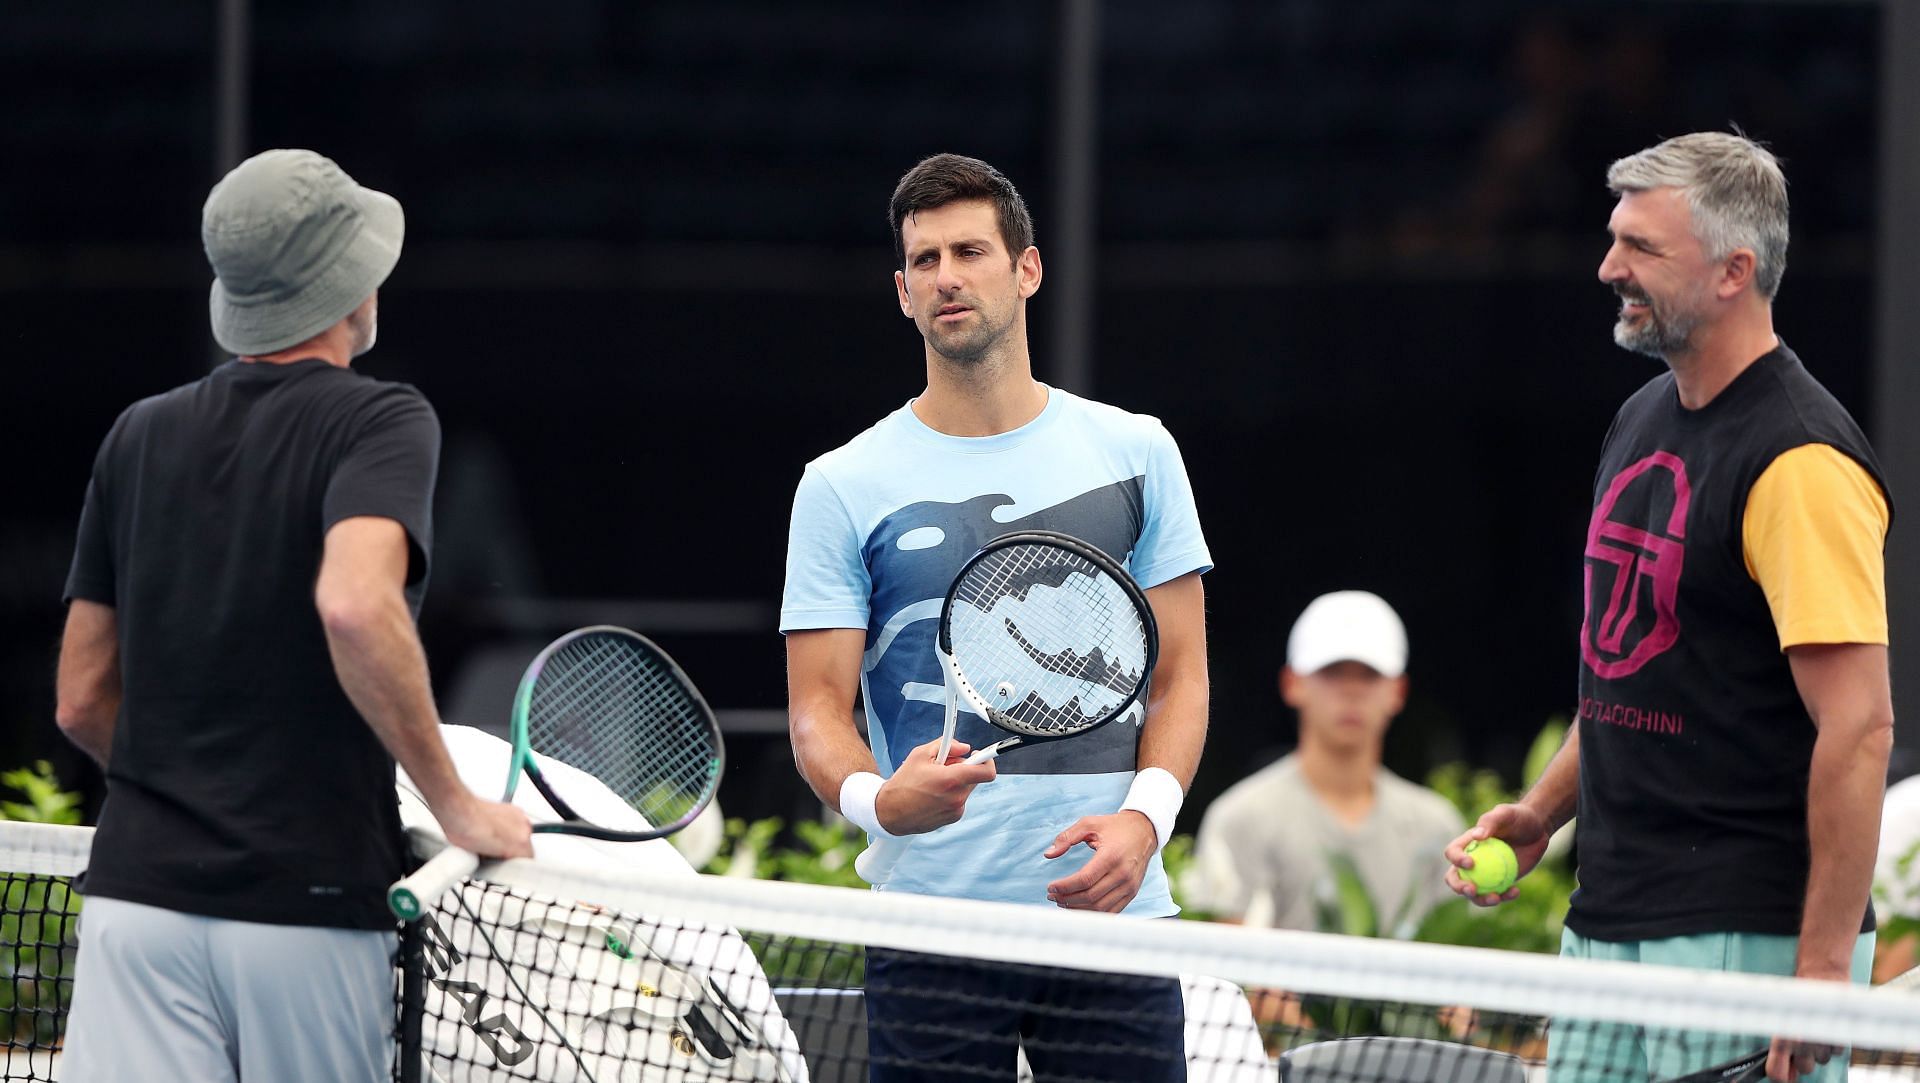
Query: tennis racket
(1044, 636)
(609, 702)
(1752, 1067)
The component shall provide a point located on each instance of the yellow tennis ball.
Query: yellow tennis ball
(1495, 868)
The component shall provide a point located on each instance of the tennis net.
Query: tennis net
(544, 971)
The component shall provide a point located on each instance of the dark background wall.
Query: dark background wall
(1345, 251)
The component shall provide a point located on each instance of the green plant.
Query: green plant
(46, 802)
(1177, 857)
(823, 854)
(745, 851)
(1345, 906)
(1531, 922)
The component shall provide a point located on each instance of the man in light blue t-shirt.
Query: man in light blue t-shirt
(880, 527)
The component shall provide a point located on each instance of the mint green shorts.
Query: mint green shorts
(1580, 1050)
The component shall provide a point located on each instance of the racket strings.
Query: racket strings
(1048, 638)
(608, 707)
(632, 726)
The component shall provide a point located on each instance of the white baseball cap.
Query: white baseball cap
(1348, 626)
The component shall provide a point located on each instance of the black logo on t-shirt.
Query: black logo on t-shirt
(1636, 544)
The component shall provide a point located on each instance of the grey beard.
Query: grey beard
(1658, 337)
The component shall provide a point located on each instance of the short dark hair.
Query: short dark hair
(951, 178)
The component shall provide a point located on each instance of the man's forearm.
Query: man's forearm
(1175, 732)
(1556, 793)
(381, 666)
(1844, 793)
(827, 748)
(87, 685)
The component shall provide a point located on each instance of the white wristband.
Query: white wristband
(1157, 795)
(857, 796)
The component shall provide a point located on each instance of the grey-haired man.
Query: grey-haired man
(1735, 717)
(240, 656)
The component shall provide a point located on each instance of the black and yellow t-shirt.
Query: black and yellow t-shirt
(1720, 537)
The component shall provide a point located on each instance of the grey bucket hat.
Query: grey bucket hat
(295, 246)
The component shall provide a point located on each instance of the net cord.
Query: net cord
(45, 849)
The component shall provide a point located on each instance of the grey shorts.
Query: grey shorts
(163, 995)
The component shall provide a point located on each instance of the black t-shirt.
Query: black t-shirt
(242, 782)
(1695, 747)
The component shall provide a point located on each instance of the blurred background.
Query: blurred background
(1345, 251)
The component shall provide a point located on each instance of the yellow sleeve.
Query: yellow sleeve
(1814, 538)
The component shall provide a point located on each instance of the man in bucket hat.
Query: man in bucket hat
(240, 656)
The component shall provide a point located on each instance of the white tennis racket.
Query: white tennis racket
(1044, 636)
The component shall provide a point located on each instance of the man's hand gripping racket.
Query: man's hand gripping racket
(609, 702)
(1045, 637)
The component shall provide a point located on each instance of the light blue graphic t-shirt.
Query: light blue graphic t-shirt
(880, 528)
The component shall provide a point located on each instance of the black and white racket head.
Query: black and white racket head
(613, 704)
(1048, 636)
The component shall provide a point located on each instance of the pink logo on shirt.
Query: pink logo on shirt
(1629, 567)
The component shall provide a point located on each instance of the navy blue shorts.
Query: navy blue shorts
(933, 1017)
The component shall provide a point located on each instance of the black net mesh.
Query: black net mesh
(37, 955)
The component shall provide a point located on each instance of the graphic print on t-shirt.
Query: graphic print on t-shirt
(1636, 546)
(914, 554)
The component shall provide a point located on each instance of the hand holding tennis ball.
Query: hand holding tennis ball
(1495, 867)
(1503, 845)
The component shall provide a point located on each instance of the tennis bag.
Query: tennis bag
(520, 988)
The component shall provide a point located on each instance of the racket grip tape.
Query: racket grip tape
(413, 895)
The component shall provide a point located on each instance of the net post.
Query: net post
(411, 1005)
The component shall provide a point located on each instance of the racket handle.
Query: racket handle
(410, 896)
(875, 863)
(952, 716)
(982, 755)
